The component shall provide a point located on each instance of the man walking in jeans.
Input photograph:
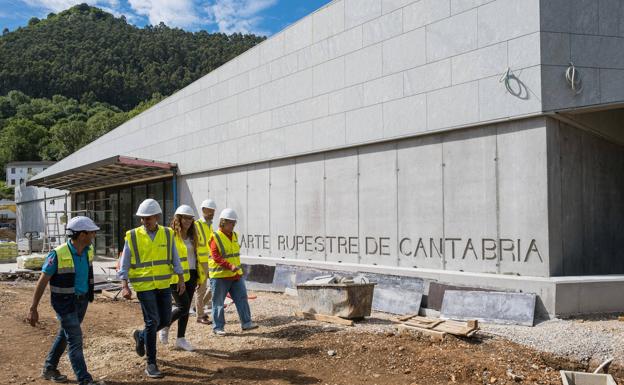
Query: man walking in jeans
(69, 270)
(149, 258)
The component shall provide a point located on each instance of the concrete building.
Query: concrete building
(472, 142)
(19, 172)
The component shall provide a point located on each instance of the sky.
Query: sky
(261, 17)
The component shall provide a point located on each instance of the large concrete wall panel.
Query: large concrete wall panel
(282, 195)
(258, 228)
(523, 198)
(470, 204)
(341, 203)
(310, 207)
(420, 202)
(378, 205)
(237, 197)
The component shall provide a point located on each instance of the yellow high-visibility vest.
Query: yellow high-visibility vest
(63, 281)
(183, 254)
(151, 261)
(204, 233)
(230, 251)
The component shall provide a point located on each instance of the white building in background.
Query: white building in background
(19, 172)
(431, 139)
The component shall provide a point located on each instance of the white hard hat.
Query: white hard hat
(209, 204)
(185, 210)
(228, 214)
(81, 223)
(148, 207)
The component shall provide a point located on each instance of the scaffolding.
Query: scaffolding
(55, 223)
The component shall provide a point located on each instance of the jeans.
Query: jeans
(220, 287)
(70, 334)
(183, 304)
(156, 306)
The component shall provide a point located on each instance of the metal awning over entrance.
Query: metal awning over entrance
(114, 171)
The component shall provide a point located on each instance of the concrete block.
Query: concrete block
(272, 48)
(238, 83)
(296, 87)
(305, 110)
(406, 116)
(611, 17)
(346, 99)
(496, 102)
(284, 66)
(260, 122)
(425, 12)
(283, 206)
(398, 57)
(360, 11)
(298, 35)
(312, 55)
(365, 124)
(385, 27)
(341, 202)
(523, 198)
(458, 6)
(329, 76)
(383, 89)
(490, 307)
(272, 143)
(377, 218)
(561, 96)
(363, 65)
(388, 6)
(310, 212)
(248, 149)
(260, 75)
(345, 42)
(248, 102)
(397, 295)
(429, 77)
(480, 63)
(470, 215)
(611, 85)
(329, 132)
(258, 213)
(576, 16)
(435, 295)
(258, 273)
(452, 36)
(249, 60)
(506, 19)
(420, 202)
(453, 106)
(328, 21)
(555, 48)
(298, 138)
(597, 51)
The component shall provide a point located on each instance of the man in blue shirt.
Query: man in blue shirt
(69, 270)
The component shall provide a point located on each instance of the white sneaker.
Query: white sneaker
(219, 332)
(182, 343)
(163, 335)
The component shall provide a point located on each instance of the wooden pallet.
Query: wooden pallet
(458, 328)
(324, 318)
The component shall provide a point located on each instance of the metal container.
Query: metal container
(580, 378)
(345, 300)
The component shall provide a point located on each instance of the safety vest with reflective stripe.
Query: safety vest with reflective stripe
(230, 251)
(204, 232)
(151, 261)
(183, 254)
(63, 282)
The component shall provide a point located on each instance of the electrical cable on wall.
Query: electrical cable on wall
(574, 79)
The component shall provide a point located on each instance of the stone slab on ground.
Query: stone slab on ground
(491, 307)
(437, 290)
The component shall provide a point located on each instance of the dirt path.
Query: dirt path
(282, 351)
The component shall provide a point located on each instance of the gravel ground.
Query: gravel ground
(590, 340)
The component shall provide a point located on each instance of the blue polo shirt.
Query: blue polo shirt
(81, 266)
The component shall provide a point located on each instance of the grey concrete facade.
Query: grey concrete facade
(378, 133)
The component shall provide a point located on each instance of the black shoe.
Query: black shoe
(153, 372)
(139, 346)
(53, 375)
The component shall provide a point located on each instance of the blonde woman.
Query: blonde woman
(186, 241)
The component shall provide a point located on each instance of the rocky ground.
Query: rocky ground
(286, 350)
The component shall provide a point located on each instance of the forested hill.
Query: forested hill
(89, 55)
(74, 76)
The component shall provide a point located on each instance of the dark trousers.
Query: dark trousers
(70, 334)
(156, 306)
(183, 303)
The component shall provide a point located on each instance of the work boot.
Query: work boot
(53, 375)
(152, 371)
(139, 346)
(249, 326)
(182, 343)
(163, 335)
(219, 332)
